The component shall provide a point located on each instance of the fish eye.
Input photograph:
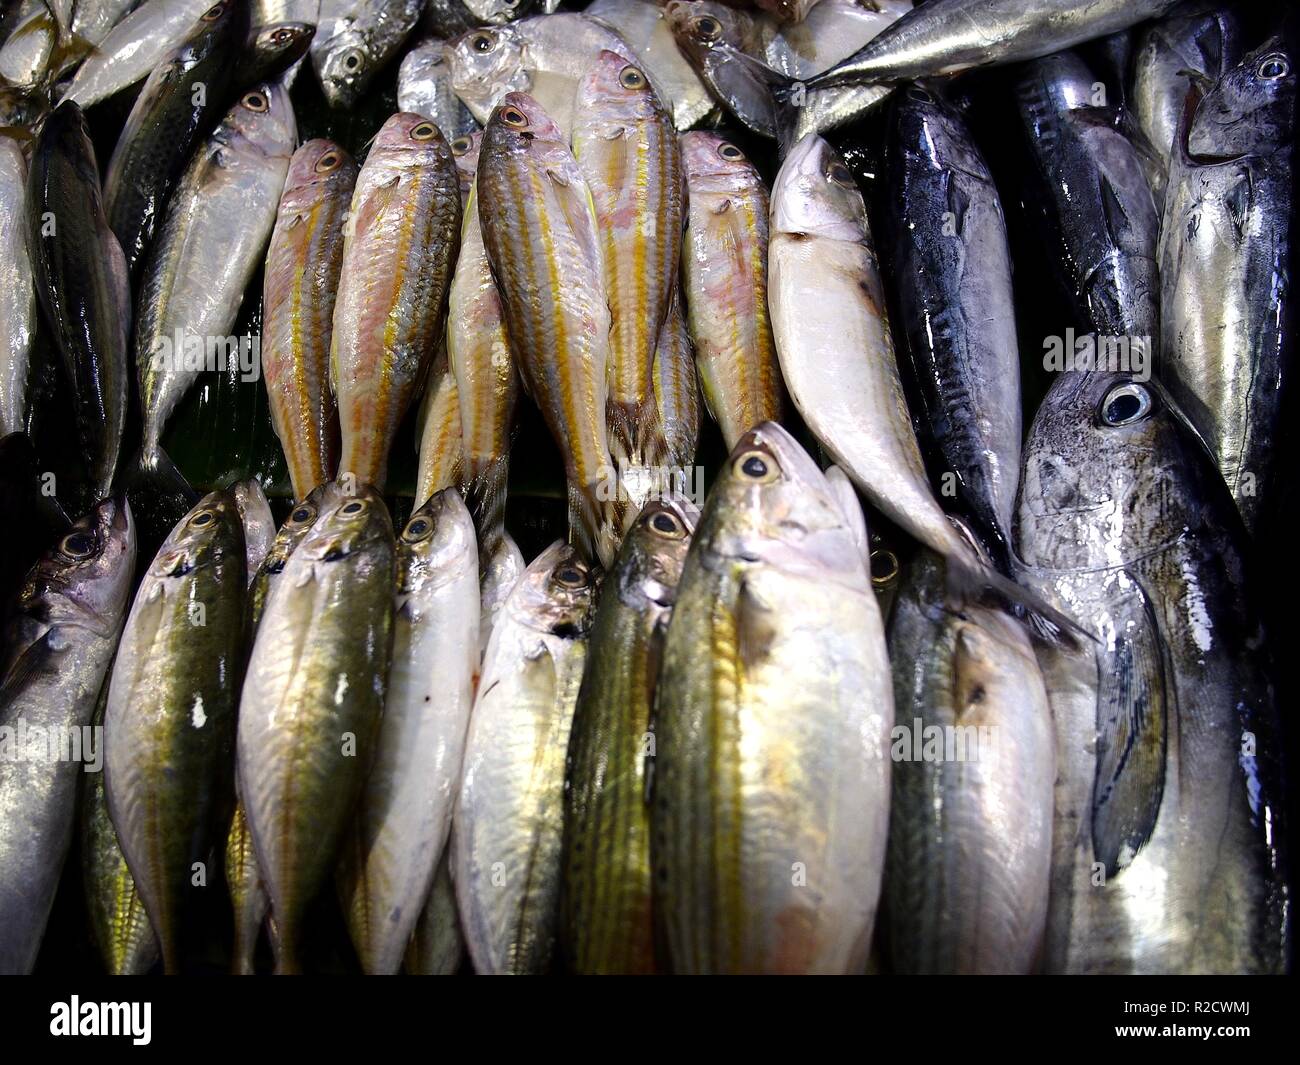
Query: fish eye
(327, 162)
(730, 152)
(213, 13)
(666, 523)
(303, 514)
(353, 508)
(1273, 66)
(482, 43)
(202, 519)
(281, 35)
(631, 78)
(255, 101)
(425, 131)
(757, 467)
(354, 60)
(884, 566)
(78, 545)
(1125, 404)
(707, 28)
(919, 93)
(513, 117)
(461, 145)
(571, 576)
(417, 529)
(839, 174)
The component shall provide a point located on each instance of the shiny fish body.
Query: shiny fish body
(356, 38)
(437, 946)
(25, 57)
(501, 568)
(298, 295)
(772, 721)
(677, 390)
(508, 829)
(970, 832)
(404, 815)
(1226, 253)
(312, 703)
(208, 248)
(606, 920)
(724, 279)
(399, 248)
(441, 445)
(1170, 835)
(625, 143)
(58, 647)
(17, 290)
(259, 524)
(424, 88)
(170, 720)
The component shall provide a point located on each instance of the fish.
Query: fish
(287, 537)
(167, 122)
(773, 713)
(606, 909)
(441, 444)
(357, 38)
(312, 703)
(26, 56)
(437, 946)
(300, 285)
(677, 390)
(81, 283)
(482, 364)
(447, 17)
(399, 248)
(724, 284)
(970, 823)
(1168, 851)
(788, 10)
(258, 522)
(947, 245)
(169, 724)
(508, 829)
(59, 642)
(1226, 253)
(625, 144)
(424, 88)
(501, 565)
(17, 290)
(944, 37)
(404, 815)
(539, 226)
(1095, 198)
(209, 246)
(841, 487)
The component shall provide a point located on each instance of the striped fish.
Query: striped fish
(399, 244)
(677, 389)
(302, 279)
(442, 451)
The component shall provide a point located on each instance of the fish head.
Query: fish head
(1061, 81)
(487, 63)
(347, 525)
(497, 12)
(296, 526)
(212, 533)
(276, 47)
(263, 121)
(225, 17)
(618, 91)
(437, 544)
(318, 164)
(556, 592)
(408, 140)
(699, 26)
(815, 194)
(1252, 108)
(85, 579)
(714, 164)
(654, 550)
(465, 149)
(520, 124)
(926, 124)
(345, 61)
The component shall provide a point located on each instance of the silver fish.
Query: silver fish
(355, 39)
(17, 290)
(424, 88)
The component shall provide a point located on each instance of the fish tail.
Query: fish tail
(486, 497)
(969, 579)
(595, 519)
(287, 962)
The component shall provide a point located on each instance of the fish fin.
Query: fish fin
(595, 518)
(486, 496)
(787, 97)
(635, 436)
(579, 210)
(34, 660)
(1238, 200)
(1132, 729)
(158, 492)
(755, 626)
(958, 201)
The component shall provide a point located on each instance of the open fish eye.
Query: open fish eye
(707, 28)
(839, 174)
(513, 117)
(255, 101)
(282, 35)
(461, 145)
(1273, 66)
(1125, 404)
(202, 519)
(327, 162)
(303, 514)
(571, 576)
(482, 42)
(920, 94)
(757, 467)
(730, 152)
(354, 60)
(884, 566)
(417, 529)
(631, 78)
(666, 523)
(425, 131)
(353, 509)
(213, 13)
(78, 545)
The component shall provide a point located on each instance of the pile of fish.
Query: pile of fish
(977, 320)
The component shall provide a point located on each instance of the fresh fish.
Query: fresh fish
(312, 703)
(169, 725)
(356, 39)
(949, 36)
(441, 445)
(81, 281)
(209, 247)
(1226, 263)
(182, 99)
(1097, 203)
(17, 290)
(424, 88)
(500, 572)
(970, 827)
(92, 20)
(677, 389)
(606, 919)
(298, 524)
(478, 349)
(788, 10)
(298, 295)
(772, 721)
(437, 946)
(26, 57)
(539, 226)
(399, 248)
(842, 488)
(508, 830)
(404, 815)
(952, 271)
(258, 522)
(624, 141)
(57, 649)
(1169, 843)
(724, 279)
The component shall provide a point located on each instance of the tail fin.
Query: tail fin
(787, 95)
(485, 494)
(595, 520)
(159, 493)
(639, 451)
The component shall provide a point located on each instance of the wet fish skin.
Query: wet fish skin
(58, 645)
(948, 245)
(508, 829)
(437, 946)
(258, 522)
(356, 39)
(772, 722)
(312, 703)
(501, 568)
(677, 389)
(1229, 231)
(1095, 198)
(403, 817)
(424, 87)
(303, 264)
(441, 445)
(290, 534)
(81, 283)
(724, 279)
(400, 242)
(17, 290)
(970, 833)
(1122, 517)
(169, 724)
(606, 916)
